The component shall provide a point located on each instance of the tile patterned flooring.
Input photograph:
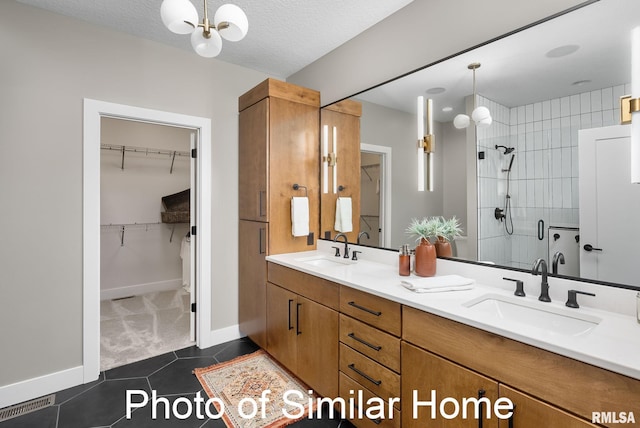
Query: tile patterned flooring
(101, 404)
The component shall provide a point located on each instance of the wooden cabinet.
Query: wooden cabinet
(252, 281)
(434, 379)
(567, 386)
(370, 352)
(278, 147)
(345, 117)
(532, 413)
(302, 333)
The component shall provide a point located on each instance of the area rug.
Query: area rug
(240, 385)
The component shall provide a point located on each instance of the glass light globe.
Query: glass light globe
(237, 20)
(484, 123)
(207, 48)
(480, 115)
(461, 121)
(174, 13)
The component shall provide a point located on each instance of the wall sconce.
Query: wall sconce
(480, 115)
(329, 159)
(426, 144)
(630, 106)
(181, 17)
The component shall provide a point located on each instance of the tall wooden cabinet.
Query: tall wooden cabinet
(278, 147)
(345, 117)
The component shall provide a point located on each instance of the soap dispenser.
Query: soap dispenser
(404, 262)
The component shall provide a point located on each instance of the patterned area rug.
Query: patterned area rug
(238, 387)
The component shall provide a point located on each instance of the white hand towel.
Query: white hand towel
(436, 284)
(343, 221)
(300, 216)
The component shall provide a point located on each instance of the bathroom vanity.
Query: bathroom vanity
(350, 326)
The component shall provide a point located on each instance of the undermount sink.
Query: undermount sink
(538, 315)
(325, 261)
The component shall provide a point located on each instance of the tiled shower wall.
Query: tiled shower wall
(543, 183)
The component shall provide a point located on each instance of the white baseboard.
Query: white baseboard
(222, 335)
(138, 289)
(37, 387)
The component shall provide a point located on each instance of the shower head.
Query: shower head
(507, 150)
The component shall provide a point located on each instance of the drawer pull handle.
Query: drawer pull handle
(364, 375)
(289, 318)
(362, 308)
(364, 342)
(481, 393)
(513, 414)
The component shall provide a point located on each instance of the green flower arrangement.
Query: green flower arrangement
(430, 228)
(427, 228)
(450, 229)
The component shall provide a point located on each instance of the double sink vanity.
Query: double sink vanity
(345, 326)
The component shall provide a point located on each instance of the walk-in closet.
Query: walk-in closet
(145, 242)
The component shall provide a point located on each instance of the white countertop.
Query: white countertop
(614, 344)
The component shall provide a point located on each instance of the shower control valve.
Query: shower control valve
(499, 214)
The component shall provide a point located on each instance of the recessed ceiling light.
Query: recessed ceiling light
(435, 91)
(447, 109)
(561, 51)
(581, 82)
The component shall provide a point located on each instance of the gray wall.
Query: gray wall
(49, 64)
(422, 32)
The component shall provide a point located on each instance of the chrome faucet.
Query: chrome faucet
(346, 245)
(557, 257)
(544, 287)
(363, 233)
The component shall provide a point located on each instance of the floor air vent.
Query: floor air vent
(26, 407)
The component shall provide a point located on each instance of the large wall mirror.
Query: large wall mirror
(544, 86)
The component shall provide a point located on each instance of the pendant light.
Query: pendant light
(229, 22)
(481, 115)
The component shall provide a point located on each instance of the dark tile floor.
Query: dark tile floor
(102, 403)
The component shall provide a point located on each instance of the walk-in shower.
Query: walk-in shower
(505, 215)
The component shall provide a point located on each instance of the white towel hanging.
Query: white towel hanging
(300, 216)
(343, 221)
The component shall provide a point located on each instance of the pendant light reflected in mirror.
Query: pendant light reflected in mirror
(481, 115)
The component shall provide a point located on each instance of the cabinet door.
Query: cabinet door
(252, 280)
(281, 325)
(293, 158)
(532, 413)
(425, 372)
(252, 161)
(317, 336)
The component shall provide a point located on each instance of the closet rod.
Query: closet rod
(123, 226)
(146, 150)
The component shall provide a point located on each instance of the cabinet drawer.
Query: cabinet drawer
(373, 310)
(349, 389)
(378, 379)
(374, 343)
(313, 288)
(572, 385)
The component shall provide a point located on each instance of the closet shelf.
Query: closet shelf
(122, 227)
(147, 151)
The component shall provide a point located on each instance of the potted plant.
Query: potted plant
(447, 231)
(424, 231)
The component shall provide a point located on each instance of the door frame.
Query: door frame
(385, 189)
(94, 110)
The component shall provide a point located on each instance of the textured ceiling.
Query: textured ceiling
(284, 35)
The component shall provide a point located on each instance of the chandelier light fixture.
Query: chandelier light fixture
(229, 22)
(481, 115)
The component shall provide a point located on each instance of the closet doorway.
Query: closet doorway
(146, 181)
(375, 194)
(128, 249)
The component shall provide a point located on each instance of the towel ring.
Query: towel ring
(298, 186)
